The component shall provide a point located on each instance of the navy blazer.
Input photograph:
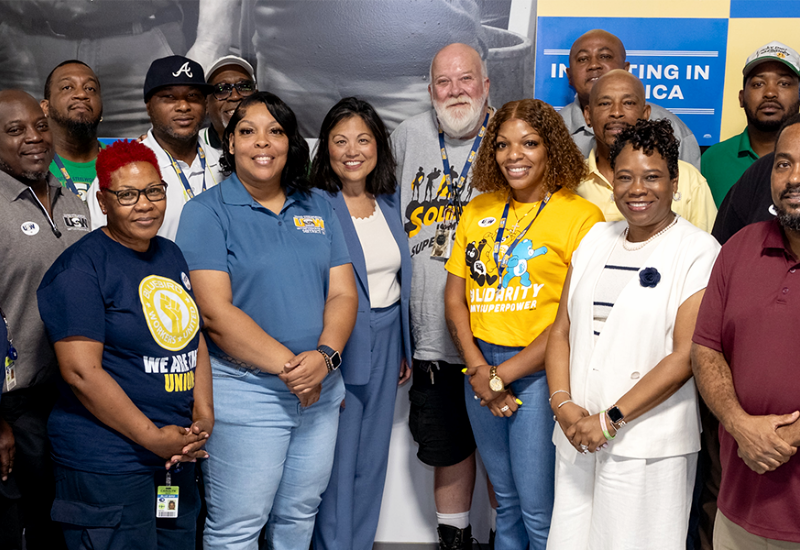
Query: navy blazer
(357, 354)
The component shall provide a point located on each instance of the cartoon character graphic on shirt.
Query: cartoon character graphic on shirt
(517, 265)
(477, 267)
(431, 209)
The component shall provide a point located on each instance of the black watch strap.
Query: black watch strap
(332, 358)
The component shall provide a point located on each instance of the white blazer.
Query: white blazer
(636, 336)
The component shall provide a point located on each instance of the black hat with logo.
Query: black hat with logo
(174, 70)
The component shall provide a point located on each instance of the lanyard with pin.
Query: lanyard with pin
(454, 189)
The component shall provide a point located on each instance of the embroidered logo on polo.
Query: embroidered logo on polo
(171, 314)
(310, 224)
(75, 222)
(30, 228)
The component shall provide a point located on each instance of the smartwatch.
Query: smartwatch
(616, 417)
(333, 359)
(495, 382)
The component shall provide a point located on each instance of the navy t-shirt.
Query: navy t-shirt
(140, 305)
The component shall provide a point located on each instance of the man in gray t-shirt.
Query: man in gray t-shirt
(459, 91)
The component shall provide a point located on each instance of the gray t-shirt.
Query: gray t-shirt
(423, 198)
(583, 135)
(28, 247)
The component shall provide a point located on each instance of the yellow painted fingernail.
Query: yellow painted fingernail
(464, 370)
(518, 402)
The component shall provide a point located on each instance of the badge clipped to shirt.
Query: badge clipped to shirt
(10, 358)
(442, 242)
(167, 500)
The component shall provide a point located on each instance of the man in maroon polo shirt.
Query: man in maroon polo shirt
(746, 362)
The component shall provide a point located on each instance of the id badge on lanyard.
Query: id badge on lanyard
(167, 498)
(10, 358)
(443, 239)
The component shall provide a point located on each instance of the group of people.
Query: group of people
(231, 334)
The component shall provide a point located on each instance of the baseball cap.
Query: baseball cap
(231, 60)
(774, 51)
(174, 70)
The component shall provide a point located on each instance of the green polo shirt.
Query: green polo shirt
(82, 173)
(724, 163)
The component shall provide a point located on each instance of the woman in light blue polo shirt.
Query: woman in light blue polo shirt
(273, 279)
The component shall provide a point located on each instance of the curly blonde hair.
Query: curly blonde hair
(565, 163)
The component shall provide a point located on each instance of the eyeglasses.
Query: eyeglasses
(129, 197)
(223, 90)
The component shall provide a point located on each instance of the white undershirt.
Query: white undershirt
(382, 256)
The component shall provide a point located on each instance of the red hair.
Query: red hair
(122, 153)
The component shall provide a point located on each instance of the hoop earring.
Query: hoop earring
(676, 196)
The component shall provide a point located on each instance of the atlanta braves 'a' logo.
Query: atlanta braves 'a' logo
(184, 69)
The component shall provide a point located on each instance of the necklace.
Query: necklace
(638, 246)
(519, 220)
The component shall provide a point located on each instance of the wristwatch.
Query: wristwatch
(616, 417)
(495, 382)
(332, 358)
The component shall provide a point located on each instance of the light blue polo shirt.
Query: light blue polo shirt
(279, 264)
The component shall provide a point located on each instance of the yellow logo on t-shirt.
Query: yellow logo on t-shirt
(170, 312)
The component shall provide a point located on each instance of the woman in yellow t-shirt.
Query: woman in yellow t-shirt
(512, 250)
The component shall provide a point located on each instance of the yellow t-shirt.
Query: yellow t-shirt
(517, 313)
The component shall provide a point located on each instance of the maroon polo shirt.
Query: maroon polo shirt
(751, 313)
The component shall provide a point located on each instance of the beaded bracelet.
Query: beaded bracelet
(607, 435)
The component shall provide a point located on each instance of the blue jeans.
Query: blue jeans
(519, 456)
(270, 459)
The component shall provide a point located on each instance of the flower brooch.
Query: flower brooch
(649, 277)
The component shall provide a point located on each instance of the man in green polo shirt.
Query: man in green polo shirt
(74, 108)
(769, 96)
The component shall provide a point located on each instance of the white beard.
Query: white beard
(460, 122)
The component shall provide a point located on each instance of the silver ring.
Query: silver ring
(586, 452)
(504, 408)
(476, 398)
(584, 448)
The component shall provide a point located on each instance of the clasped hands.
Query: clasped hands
(582, 429)
(303, 375)
(182, 444)
(765, 441)
(502, 403)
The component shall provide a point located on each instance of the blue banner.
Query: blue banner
(681, 63)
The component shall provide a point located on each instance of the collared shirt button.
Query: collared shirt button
(280, 223)
(785, 290)
(635, 375)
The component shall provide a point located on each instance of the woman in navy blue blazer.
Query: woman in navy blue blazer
(354, 167)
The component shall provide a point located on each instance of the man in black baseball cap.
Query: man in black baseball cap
(175, 92)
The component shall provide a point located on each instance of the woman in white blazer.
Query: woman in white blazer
(618, 365)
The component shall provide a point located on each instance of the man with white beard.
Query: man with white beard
(435, 149)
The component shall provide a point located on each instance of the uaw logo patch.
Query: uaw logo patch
(310, 224)
(170, 312)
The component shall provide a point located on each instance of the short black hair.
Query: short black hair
(791, 121)
(49, 78)
(382, 179)
(294, 174)
(649, 136)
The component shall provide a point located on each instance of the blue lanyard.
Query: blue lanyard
(179, 172)
(11, 354)
(67, 177)
(503, 262)
(454, 189)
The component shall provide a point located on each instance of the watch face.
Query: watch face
(336, 359)
(615, 415)
(495, 384)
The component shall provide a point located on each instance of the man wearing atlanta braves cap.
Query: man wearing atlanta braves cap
(175, 92)
(769, 96)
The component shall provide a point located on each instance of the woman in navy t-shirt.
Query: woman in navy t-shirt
(136, 408)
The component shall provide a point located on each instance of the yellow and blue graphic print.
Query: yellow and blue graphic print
(173, 319)
(517, 291)
(310, 224)
(428, 203)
